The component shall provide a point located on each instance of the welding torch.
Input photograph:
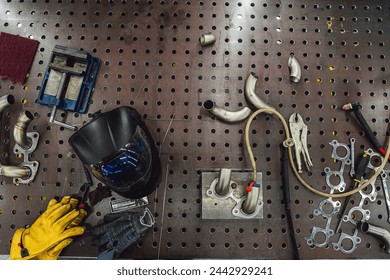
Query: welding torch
(355, 108)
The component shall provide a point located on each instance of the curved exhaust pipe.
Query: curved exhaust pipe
(224, 115)
(20, 130)
(250, 92)
(5, 101)
(379, 232)
(5, 170)
(295, 69)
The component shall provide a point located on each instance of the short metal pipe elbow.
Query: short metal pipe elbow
(250, 93)
(207, 39)
(20, 130)
(224, 115)
(379, 232)
(295, 69)
(5, 101)
(15, 171)
(223, 186)
(250, 203)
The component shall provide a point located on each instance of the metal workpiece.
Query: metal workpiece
(18, 172)
(295, 68)
(223, 185)
(20, 130)
(5, 101)
(225, 115)
(251, 201)
(378, 232)
(207, 39)
(250, 92)
(353, 239)
(231, 205)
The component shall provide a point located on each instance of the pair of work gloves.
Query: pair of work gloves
(60, 223)
(50, 233)
(117, 231)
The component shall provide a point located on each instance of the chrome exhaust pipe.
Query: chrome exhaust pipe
(223, 186)
(5, 170)
(295, 69)
(20, 130)
(15, 171)
(379, 232)
(224, 115)
(250, 92)
(5, 101)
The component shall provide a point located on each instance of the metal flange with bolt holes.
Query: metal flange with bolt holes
(32, 165)
(355, 240)
(229, 205)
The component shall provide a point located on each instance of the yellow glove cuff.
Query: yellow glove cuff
(18, 252)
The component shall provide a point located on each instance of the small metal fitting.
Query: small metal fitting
(207, 39)
(295, 69)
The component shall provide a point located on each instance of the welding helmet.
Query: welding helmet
(119, 151)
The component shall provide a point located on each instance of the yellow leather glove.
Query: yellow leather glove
(51, 231)
(53, 253)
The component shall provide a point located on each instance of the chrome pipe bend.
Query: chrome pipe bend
(5, 101)
(250, 93)
(15, 171)
(20, 130)
(295, 69)
(224, 115)
(379, 232)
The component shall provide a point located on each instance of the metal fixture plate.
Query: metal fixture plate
(222, 208)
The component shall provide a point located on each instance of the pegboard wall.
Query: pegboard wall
(152, 60)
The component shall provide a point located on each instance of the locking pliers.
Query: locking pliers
(299, 135)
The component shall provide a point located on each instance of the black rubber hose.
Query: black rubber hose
(286, 199)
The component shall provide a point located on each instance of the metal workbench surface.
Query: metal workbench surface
(152, 60)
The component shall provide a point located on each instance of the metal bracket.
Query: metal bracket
(32, 165)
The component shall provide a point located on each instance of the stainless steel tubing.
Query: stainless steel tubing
(223, 186)
(5, 101)
(207, 39)
(250, 92)
(379, 232)
(224, 115)
(295, 69)
(20, 130)
(11, 171)
(15, 171)
(250, 203)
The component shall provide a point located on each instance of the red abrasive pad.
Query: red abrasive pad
(16, 56)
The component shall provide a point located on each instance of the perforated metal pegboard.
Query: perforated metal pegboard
(152, 60)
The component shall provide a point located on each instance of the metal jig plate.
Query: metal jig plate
(223, 208)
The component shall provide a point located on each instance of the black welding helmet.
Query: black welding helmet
(119, 151)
